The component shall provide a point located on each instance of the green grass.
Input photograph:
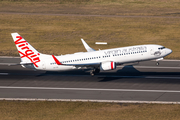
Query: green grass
(98, 7)
(86, 111)
(57, 35)
(61, 34)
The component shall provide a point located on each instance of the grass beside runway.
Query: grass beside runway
(61, 34)
(86, 110)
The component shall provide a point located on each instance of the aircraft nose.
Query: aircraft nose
(168, 51)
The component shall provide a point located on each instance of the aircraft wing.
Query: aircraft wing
(84, 65)
(76, 65)
(89, 49)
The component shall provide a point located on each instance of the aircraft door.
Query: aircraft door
(43, 65)
(152, 51)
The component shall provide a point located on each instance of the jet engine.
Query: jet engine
(108, 65)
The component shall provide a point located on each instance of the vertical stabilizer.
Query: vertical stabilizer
(27, 53)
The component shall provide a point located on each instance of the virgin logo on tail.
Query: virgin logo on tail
(23, 45)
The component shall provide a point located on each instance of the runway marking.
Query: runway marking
(90, 100)
(114, 76)
(90, 89)
(4, 73)
(147, 77)
(8, 57)
(153, 67)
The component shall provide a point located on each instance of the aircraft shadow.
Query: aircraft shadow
(126, 74)
(130, 72)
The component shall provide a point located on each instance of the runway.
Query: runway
(132, 82)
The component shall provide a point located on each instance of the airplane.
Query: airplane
(100, 60)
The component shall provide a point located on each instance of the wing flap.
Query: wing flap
(84, 65)
(76, 65)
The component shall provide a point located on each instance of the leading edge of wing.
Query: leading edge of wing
(84, 64)
(77, 65)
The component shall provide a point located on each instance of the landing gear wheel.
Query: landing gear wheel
(94, 71)
(97, 70)
(157, 63)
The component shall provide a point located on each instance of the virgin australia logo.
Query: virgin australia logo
(157, 53)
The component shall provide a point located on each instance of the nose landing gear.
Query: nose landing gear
(157, 63)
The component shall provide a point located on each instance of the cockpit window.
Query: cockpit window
(161, 48)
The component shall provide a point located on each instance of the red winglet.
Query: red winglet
(56, 60)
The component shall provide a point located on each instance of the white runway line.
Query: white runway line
(4, 73)
(153, 67)
(91, 89)
(89, 100)
(118, 76)
(9, 57)
(115, 76)
(147, 77)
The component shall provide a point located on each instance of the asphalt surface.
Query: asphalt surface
(142, 81)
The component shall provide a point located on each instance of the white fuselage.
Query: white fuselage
(97, 60)
(118, 55)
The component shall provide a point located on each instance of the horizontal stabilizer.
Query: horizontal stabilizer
(25, 63)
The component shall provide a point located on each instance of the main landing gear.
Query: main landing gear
(94, 71)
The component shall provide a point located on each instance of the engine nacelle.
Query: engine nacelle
(108, 66)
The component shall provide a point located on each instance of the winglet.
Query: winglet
(56, 60)
(89, 49)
